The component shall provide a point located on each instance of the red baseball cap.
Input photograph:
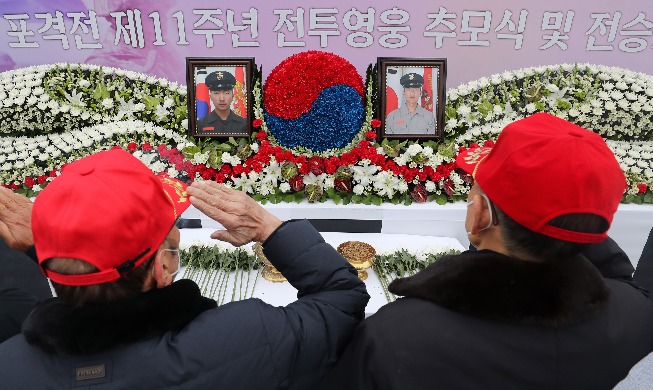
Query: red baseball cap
(542, 167)
(107, 209)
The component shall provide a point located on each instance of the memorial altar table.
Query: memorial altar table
(281, 294)
(630, 226)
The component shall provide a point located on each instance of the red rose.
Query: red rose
(132, 146)
(370, 135)
(257, 123)
(296, 183)
(146, 146)
(42, 179)
(375, 123)
(642, 187)
(261, 136)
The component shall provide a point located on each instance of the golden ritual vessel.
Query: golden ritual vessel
(359, 254)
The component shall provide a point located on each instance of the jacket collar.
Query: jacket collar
(59, 328)
(494, 286)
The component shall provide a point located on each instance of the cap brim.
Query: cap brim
(469, 160)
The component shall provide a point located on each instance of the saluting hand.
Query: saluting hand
(15, 219)
(244, 219)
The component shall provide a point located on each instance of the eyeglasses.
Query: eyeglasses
(492, 221)
(176, 253)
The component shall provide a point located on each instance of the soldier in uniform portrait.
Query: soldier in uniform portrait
(410, 118)
(222, 119)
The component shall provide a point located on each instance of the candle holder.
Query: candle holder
(269, 273)
(359, 254)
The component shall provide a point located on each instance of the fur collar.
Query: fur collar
(494, 286)
(59, 328)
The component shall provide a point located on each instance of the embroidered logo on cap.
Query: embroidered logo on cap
(179, 189)
(475, 155)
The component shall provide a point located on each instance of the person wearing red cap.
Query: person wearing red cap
(526, 310)
(105, 235)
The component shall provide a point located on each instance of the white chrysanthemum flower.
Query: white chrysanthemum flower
(616, 95)
(284, 187)
(358, 189)
(107, 103)
(464, 110)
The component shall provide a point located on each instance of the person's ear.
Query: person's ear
(158, 270)
(481, 217)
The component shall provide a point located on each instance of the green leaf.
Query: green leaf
(150, 102)
(100, 92)
(336, 199)
(485, 108)
(376, 200)
(441, 199)
(190, 151)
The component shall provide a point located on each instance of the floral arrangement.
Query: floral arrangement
(228, 273)
(54, 114)
(321, 110)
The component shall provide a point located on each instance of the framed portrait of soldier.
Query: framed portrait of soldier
(412, 97)
(219, 96)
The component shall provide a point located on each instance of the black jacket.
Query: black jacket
(172, 338)
(22, 286)
(484, 320)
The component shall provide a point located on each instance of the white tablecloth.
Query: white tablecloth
(630, 227)
(280, 294)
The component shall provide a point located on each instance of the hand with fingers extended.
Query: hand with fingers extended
(15, 219)
(244, 219)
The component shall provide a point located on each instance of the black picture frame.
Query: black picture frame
(396, 126)
(197, 68)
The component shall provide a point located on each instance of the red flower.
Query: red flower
(261, 135)
(42, 179)
(375, 123)
(257, 123)
(489, 143)
(642, 187)
(146, 146)
(30, 182)
(370, 135)
(419, 194)
(316, 165)
(296, 183)
(342, 185)
(132, 146)
(448, 187)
